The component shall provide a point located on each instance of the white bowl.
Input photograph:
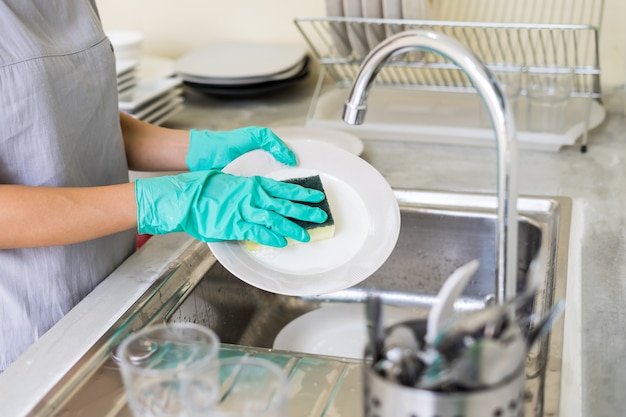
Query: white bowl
(126, 43)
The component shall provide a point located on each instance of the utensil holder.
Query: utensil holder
(383, 398)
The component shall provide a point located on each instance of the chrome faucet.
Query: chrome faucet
(501, 119)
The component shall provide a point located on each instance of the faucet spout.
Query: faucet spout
(501, 118)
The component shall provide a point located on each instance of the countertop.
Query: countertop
(596, 182)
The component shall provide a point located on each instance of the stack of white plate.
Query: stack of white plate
(126, 75)
(156, 94)
(127, 48)
(241, 69)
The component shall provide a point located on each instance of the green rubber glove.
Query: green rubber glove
(214, 150)
(214, 206)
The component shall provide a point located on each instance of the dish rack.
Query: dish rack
(417, 94)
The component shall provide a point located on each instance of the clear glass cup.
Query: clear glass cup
(250, 387)
(548, 94)
(510, 82)
(169, 370)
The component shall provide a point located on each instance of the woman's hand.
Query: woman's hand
(215, 149)
(214, 206)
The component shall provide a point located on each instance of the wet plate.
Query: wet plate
(335, 330)
(367, 224)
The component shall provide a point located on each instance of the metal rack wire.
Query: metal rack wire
(534, 35)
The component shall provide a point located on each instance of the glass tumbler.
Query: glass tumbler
(548, 93)
(168, 370)
(250, 387)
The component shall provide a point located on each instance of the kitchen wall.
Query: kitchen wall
(175, 27)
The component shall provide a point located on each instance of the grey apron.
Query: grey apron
(59, 126)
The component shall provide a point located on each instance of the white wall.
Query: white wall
(175, 27)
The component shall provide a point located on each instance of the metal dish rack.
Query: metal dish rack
(512, 36)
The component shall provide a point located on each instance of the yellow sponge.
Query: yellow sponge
(317, 231)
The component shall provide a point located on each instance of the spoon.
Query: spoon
(450, 291)
(489, 322)
(373, 315)
(484, 363)
(401, 347)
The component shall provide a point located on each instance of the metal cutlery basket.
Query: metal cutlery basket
(384, 398)
(394, 384)
(537, 35)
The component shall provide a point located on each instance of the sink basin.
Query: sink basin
(439, 232)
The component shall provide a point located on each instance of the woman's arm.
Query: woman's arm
(153, 148)
(50, 216)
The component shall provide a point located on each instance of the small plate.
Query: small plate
(356, 30)
(164, 117)
(335, 330)
(157, 103)
(375, 33)
(392, 9)
(338, 32)
(367, 222)
(162, 110)
(227, 63)
(123, 66)
(288, 74)
(344, 140)
(248, 90)
(145, 91)
(414, 9)
(126, 85)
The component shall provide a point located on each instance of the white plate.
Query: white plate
(338, 30)
(125, 77)
(344, 140)
(123, 66)
(126, 85)
(356, 31)
(243, 81)
(228, 61)
(335, 330)
(375, 33)
(161, 119)
(163, 110)
(367, 224)
(421, 9)
(145, 91)
(152, 105)
(392, 9)
(158, 107)
(414, 9)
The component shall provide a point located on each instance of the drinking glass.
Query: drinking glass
(250, 387)
(168, 370)
(548, 92)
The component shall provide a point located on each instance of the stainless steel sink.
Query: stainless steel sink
(439, 233)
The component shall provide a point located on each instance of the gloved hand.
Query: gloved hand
(214, 150)
(213, 206)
